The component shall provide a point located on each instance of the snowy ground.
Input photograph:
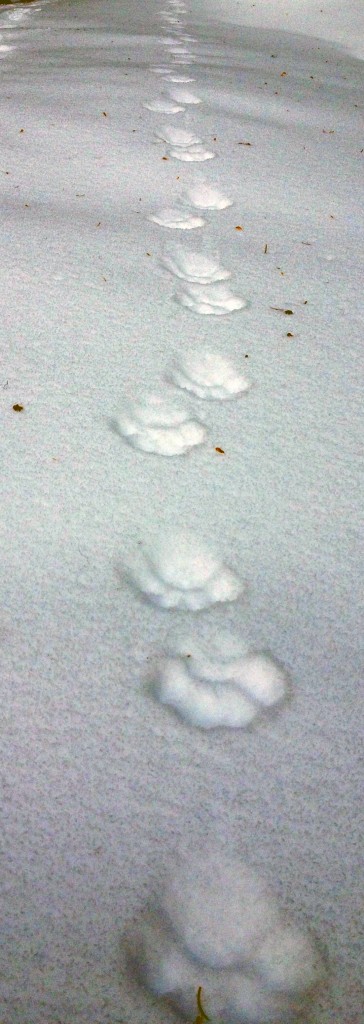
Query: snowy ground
(100, 783)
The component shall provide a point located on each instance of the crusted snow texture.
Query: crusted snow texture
(159, 426)
(179, 571)
(207, 374)
(217, 925)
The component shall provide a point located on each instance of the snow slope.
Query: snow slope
(101, 784)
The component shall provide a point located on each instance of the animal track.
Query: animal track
(184, 96)
(177, 217)
(205, 197)
(196, 154)
(216, 924)
(177, 137)
(214, 299)
(159, 426)
(163, 107)
(194, 267)
(214, 680)
(208, 375)
(179, 571)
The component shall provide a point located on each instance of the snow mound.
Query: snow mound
(159, 426)
(214, 299)
(179, 571)
(208, 375)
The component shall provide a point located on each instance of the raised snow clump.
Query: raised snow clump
(159, 426)
(212, 679)
(163, 106)
(194, 267)
(176, 217)
(179, 571)
(214, 299)
(205, 197)
(208, 375)
(184, 96)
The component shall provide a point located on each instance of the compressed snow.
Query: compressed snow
(215, 299)
(179, 571)
(196, 154)
(208, 375)
(181, 78)
(85, 314)
(262, 678)
(288, 961)
(220, 909)
(159, 426)
(194, 266)
(163, 106)
(204, 705)
(161, 71)
(184, 96)
(208, 680)
(206, 197)
(178, 137)
(177, 217)
(214, 919)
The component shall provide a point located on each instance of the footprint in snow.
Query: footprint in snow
(205, 197)
(175, 217)
(159, 426)
(184, 96)
(163, 107)
(179, 571)
(213, 299)
(194, 267)
(214, 679)
(208, 375)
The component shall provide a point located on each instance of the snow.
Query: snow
(206, 374)
(212, 679)
(179, 571)
(194, 267)
(159, 426)
(215, 299)
(217, 917)
(102, 785)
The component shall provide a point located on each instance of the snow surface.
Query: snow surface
(101, 784)
(216, 924)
